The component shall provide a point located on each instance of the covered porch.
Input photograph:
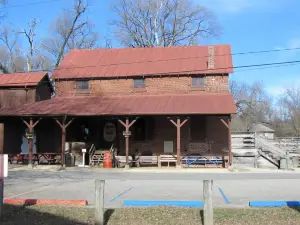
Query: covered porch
(177, 129)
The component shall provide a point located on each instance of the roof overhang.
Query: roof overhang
(185, 104)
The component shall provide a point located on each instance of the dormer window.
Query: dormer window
(82, 85)
(198, 82)
(139, 83)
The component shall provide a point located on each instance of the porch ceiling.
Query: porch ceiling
(203, 103)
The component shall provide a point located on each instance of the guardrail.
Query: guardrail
(207, 178)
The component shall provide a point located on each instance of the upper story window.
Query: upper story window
(82, 85)
(139, 83)
(198, 82)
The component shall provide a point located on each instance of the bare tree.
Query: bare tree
(291, 101)
(71, 31)
(30, 36)
(252, 102)
(9, 39)
(150, 23)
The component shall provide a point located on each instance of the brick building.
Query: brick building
(175, 99)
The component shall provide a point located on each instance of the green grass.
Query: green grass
(54, 215)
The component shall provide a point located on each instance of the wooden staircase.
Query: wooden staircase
(269, 151)
(96, 156)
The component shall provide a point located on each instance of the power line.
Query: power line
(28, 4)
(247, 68)
(183, 58)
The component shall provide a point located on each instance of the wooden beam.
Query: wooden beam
(57, 121)
(121, 122)
(37, 122)
(133, 121)
(66, 126)
(223, 121)
(172, 121)
(183, 122)
(26, 123)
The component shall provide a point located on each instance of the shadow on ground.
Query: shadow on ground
(19, 215)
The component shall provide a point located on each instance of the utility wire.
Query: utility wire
(244, 67)
(28, 4)
(180, 58)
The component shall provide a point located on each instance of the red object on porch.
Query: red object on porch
(107, 160)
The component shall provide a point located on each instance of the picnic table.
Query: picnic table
(202, 160)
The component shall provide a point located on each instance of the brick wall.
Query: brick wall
(156, 85)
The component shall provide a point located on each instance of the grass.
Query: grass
(47, 215)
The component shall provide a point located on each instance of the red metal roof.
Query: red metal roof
(125, 62)
(21, 79)
(204, 103)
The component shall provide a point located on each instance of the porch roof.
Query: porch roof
(203, 103)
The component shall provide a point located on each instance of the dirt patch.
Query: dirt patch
(47, 215)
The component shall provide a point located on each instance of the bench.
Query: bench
(122, 160)
(167, 158)
(146, 160)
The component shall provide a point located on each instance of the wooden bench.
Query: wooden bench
(167, 158)
(146, 160)
(122, 160)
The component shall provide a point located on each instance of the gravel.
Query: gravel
(54, 215)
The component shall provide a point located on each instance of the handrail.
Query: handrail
(265, 145)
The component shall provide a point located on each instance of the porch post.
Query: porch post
(30, 127)
(127, 125)
(228, 125)
(178, 125)
(229, 141)
(127, 143)
(178, 163)
(63, 127)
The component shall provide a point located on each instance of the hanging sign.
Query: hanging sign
(109, 132)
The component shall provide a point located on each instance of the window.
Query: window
(198, 82)
(139, 83)
(82, 85)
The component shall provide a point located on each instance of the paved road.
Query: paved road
(81, 185)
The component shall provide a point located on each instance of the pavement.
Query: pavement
(79, 184)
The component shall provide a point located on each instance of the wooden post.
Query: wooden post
(1, 170)
(127, 143)
(30, 127)
(1, 138)
(30, 140)
(63, 127)
(208, 206)
(229, 141)
(127, 125)
(228, 125)
(178, 125)
(99, 202)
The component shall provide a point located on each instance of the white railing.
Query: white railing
(264, 145)
(243, 140)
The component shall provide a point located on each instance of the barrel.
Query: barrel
(107, 160)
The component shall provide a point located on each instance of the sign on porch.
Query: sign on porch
(109, 132)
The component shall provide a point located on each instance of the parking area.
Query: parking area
(81, 186)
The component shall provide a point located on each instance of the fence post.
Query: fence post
(208, 207)
(99, 202)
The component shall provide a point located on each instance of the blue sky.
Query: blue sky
(248, 25)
